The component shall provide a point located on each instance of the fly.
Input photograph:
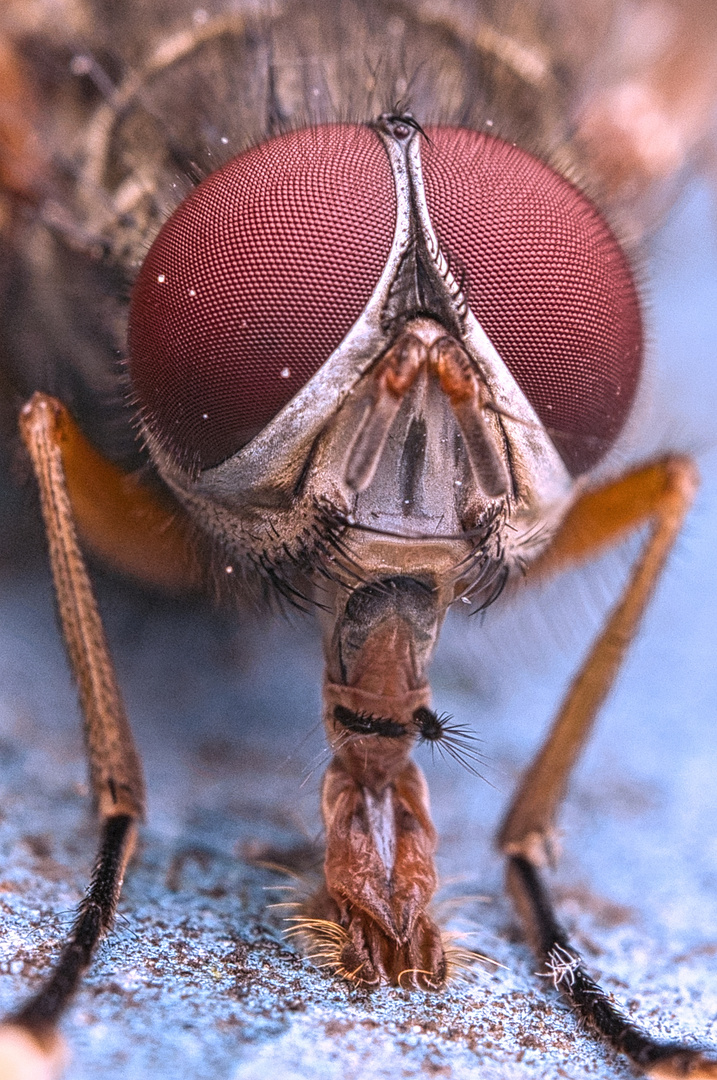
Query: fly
(374, 362)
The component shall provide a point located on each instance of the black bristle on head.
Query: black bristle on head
(429, 724)
(454, 739)
(366, 724)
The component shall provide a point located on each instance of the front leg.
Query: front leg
(29, 1043)
(658, 495)
(134, 531)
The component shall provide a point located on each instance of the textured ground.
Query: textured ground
(198, 980)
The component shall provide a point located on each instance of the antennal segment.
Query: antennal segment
(394, 377)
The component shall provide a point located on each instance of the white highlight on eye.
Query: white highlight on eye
(205, 416)
(285, 372)
(224, 140)
(228, 569)
(161, 279)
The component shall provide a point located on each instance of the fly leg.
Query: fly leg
(29, 1045)
(657, 495)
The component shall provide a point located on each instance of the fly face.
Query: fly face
(413, 430)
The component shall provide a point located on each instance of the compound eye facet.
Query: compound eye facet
(547, 280)
(253, 282)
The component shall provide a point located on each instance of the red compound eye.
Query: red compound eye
(546, 279)
(253, 282)
(262, 271)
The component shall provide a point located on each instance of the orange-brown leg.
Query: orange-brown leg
(140, 531)
(29, 1045)
(658, 496)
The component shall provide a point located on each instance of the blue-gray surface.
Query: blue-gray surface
(198, 980)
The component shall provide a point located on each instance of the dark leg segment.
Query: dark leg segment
(95, 916)
(29, 1043)
(657, 495)
(564, 965)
